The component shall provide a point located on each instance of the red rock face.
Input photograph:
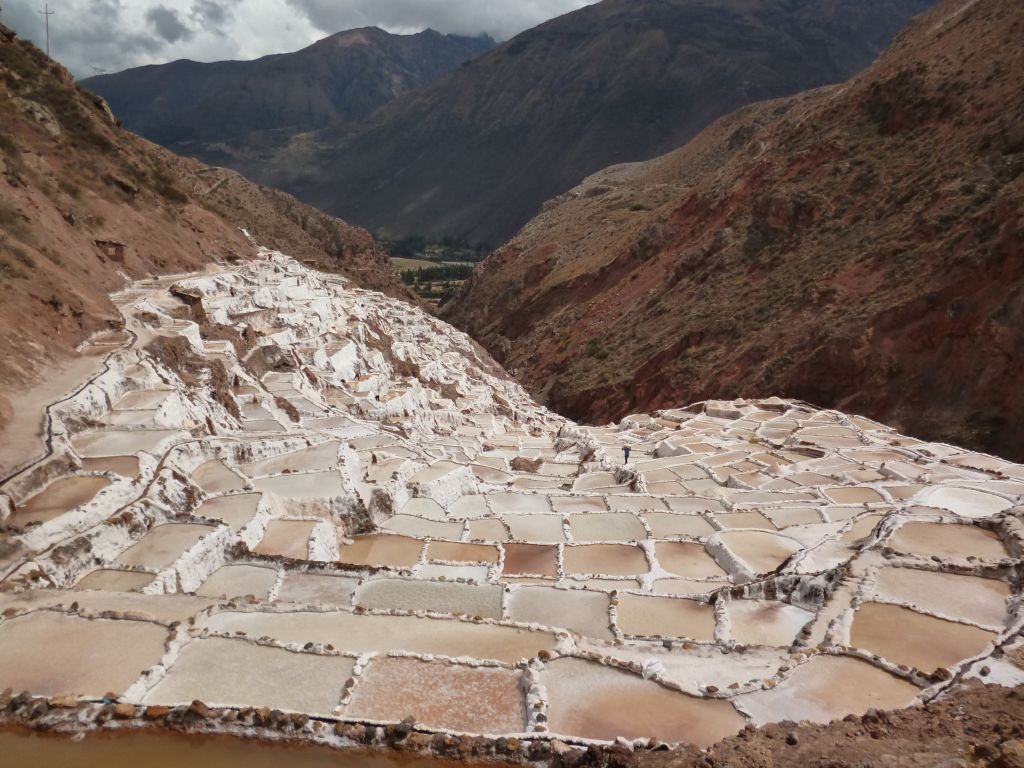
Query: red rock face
(860, 246)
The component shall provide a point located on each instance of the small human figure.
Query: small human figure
(625, 453)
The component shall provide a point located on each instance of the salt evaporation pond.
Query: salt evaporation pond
(422, 539)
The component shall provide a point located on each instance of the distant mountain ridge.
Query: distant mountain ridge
(859, 246)
(190, 106)
(476, 153)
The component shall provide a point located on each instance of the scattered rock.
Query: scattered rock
(1011, 754)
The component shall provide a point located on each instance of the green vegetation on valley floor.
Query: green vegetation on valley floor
(433, 269)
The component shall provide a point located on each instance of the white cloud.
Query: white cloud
(90, 36)
(499, 18)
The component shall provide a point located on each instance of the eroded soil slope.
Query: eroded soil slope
(858, 246)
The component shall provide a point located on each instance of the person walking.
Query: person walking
(625, 454)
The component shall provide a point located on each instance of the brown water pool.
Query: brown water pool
(59, 497)
(154, 749)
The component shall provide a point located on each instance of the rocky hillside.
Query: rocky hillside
(858, 246)
(84, 204)
(475, 154)
(214, 110)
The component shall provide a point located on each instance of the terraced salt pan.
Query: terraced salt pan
(691, 505)
(902, 492)
(963, 501)
(542, 484)
(126, 466)
(362, 634)
(236, 580)
(578, 610)
(309, 485)
(653, 616)
(236, 510)
(317, 589)
(143, 399)
(144, 419)
(593, 481)
(564, 505)
(430, 509)
(598, 702)
(762, 551)
(530, 559)
(539, 528)
(441, 695)
(164, 544)
(411, 525)
(50, 653)
(827, 500)
(507, 503)
(969, 598)
(163, 608)
(60, 496)
(827, 688)
(434, 472)
(466, 507)
(766, 622)
(220, 673)
(861, 529)
(121, 442)
(487, 530)
(457, 552)
(666, 525)
(214, 477)
(436, 596)
(688, 587)
(381, 550)
(638, 503)
(684, 558)
(604, 585)
(609, 527)
(605, 559)
(947, 541)
(744, 520)
(112, 580)
(383, 471)
(318, 457)
(287, 538)
(444, 572)
(906, 637)
(854, 495)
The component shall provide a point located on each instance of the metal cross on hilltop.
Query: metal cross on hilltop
(46, 15)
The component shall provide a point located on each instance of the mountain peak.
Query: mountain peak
(206, 109)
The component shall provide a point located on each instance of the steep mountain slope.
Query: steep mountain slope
(860, 246)
(475, 154)
(73, 184)
(192, 107)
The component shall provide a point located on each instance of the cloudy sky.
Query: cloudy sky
(93, 36)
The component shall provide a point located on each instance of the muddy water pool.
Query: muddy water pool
(59, 497)
(21, 749)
